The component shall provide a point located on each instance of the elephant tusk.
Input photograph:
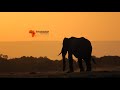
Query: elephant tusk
(60, 53)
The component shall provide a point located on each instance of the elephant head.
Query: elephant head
(64, 51)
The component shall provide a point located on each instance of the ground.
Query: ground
(113, 72)
(93, 74)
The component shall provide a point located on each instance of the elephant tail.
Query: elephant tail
(93, 60)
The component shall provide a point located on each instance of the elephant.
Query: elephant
(81, 48)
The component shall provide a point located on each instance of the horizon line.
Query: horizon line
(62, 40)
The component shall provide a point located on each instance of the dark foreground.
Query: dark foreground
(94, 74)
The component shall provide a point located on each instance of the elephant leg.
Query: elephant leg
(88, 64)
(70, 63)
(80, 64)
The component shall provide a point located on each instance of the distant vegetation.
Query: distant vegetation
(44, 64)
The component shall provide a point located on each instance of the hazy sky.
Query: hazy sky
(96, 26)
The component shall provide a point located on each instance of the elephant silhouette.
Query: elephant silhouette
(81, 48)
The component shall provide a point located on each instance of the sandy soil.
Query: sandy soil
(96, 73)
(93, 74)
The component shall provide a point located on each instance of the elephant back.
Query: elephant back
(80, 46)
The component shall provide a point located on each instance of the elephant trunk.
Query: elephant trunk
(63, 52)
(64, 63)
(94, 61)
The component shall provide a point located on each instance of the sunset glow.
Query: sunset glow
(97, 26)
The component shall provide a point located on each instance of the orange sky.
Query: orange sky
(97, 26)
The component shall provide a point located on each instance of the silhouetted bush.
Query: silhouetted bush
(44, 64)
